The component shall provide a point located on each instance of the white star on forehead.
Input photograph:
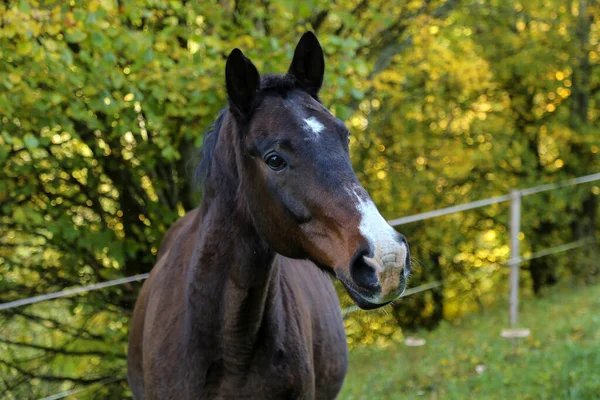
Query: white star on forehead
(314, 126)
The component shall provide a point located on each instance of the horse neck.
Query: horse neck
(234, 266)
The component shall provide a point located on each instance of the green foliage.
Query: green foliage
(103, 105)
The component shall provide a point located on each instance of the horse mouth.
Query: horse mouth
(359, 299)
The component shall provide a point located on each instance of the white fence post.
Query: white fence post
(515, 228)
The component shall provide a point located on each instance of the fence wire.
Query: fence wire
(492, 200)
(73, 391)
(72, 291)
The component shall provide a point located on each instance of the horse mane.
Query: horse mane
(208, 148)
(270, 84)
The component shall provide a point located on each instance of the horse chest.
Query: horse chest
(278, 371)
(303, 357)
(286, 364)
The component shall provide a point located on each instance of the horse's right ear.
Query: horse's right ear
(308, 64)
(243, 82)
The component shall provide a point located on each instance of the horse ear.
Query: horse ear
(243, 82)
(308, 64)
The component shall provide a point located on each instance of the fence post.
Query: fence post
(515, 228)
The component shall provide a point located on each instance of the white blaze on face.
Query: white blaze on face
(313, 126)
(389, 254)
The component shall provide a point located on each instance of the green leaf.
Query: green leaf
(169, 153)
(76, 36)
(30, 141)
(109, 57)
(55, 98)
(343, 112)
(24, 6)
(67, 56)
(98, 39)
(148, 55)
(19, 215)
(357, 94)
(7, 137)
(3, 155)
(34, 216)
(68, 232)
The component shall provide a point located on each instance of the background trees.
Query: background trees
(104, 103)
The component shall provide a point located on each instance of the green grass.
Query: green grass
(560, 360)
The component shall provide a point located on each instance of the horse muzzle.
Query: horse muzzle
(379, 276)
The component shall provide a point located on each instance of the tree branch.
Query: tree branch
(62, 350)
(53, 378)
(54, 324)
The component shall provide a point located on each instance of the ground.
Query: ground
(470, 360)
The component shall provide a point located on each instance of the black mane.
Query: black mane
(208, 147)
(270, 84)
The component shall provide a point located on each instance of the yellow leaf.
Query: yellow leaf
(24, 48)
(14, 78)
(51, 45)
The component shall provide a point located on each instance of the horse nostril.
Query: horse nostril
(362, 273)
(400, 238)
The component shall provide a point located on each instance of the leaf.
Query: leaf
(98, 39)
(24, 6)
(14, 78)
(169, 153)
(76, 36)
(19, 215)
(6, 136)
(55, 98)
(148, 55)
(24, 48)
(109, 57)
(3, 155)
(343, 112)
(116, 251)
(67, 56)
(68, 232)
(357, 94)
(51, 45)
(34, 216)
(30, 141)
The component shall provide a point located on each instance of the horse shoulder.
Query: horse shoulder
(173, 232)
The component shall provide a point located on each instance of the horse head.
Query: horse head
(297, 182)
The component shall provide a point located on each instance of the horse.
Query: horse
(240, 303)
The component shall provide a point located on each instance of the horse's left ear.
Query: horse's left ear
(243, 82)
(308, 65)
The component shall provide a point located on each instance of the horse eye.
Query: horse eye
(275, 162)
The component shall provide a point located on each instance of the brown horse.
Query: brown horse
(240, 304)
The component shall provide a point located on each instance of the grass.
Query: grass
(470, 360)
